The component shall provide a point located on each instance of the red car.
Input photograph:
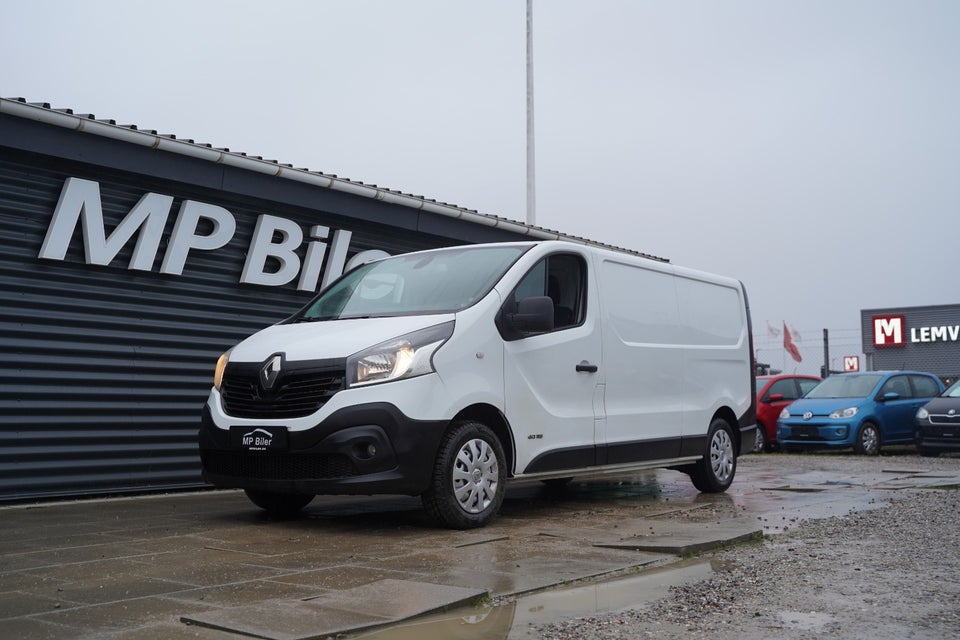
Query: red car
(773, 394)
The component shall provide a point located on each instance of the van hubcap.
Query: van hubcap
(721, 455)
(476, 476)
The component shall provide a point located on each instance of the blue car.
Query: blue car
(860, 410)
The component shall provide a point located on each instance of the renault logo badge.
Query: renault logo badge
(270, 371)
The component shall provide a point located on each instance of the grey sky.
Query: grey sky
(811, 149)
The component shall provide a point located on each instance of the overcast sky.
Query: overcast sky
(808, 148)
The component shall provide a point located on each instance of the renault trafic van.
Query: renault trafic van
(449, 373)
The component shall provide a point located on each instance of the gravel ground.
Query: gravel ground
(889, 573)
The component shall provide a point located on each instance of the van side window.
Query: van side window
(562, 278)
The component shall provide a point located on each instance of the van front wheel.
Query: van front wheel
(714, 472)
(469, 477)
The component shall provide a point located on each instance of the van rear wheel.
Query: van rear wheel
(714, 472)
(469, 477)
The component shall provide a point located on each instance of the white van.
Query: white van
(448, 373)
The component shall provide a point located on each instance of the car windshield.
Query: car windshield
(841, 386)
(441, 281)
(953, 391)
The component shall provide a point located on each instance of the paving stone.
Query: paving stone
(363, 607)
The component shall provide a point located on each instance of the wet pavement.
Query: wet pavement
(209, 565)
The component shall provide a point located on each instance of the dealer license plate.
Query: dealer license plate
(259, 438)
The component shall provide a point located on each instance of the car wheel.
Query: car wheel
(714, 472)
(469, 478)
(760, 443)
(868, 440)
(279, 505)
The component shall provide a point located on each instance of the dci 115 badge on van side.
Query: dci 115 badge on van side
(448, 373)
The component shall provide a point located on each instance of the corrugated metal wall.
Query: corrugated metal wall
(105, 370)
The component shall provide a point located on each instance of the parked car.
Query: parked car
(861, 410)
(773, 394)
(938, 423)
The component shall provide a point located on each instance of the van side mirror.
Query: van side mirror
(534, 315)
(528, 317)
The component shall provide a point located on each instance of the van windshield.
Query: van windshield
(841, 386)
(440, 281)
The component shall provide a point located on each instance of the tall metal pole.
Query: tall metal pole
(531, 174)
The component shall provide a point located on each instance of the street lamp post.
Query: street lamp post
(531, 174)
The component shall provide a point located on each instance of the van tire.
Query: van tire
(714, 472)
(469, 477)
(279, 505)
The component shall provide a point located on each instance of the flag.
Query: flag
(772, 331)
(797, 338)
(789, 345)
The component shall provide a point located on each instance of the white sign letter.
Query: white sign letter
(80, 202)
(263, 247)
(185, 237)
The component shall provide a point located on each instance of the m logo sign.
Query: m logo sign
(851, 363)
(888, 331)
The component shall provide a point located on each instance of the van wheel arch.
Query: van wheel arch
(494, 420)
(727, 415)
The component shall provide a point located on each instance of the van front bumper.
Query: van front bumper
(364, 449)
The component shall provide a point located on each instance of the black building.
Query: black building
(918, 338)
(129, 261)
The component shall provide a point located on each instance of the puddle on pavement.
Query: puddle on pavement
(517, 620)
(805, 621)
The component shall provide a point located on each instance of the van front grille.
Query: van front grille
(295, 394)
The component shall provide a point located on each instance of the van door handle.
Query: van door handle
(586, 367)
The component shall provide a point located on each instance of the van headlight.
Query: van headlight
(405, 356)
(849, 412)
(218, 372)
